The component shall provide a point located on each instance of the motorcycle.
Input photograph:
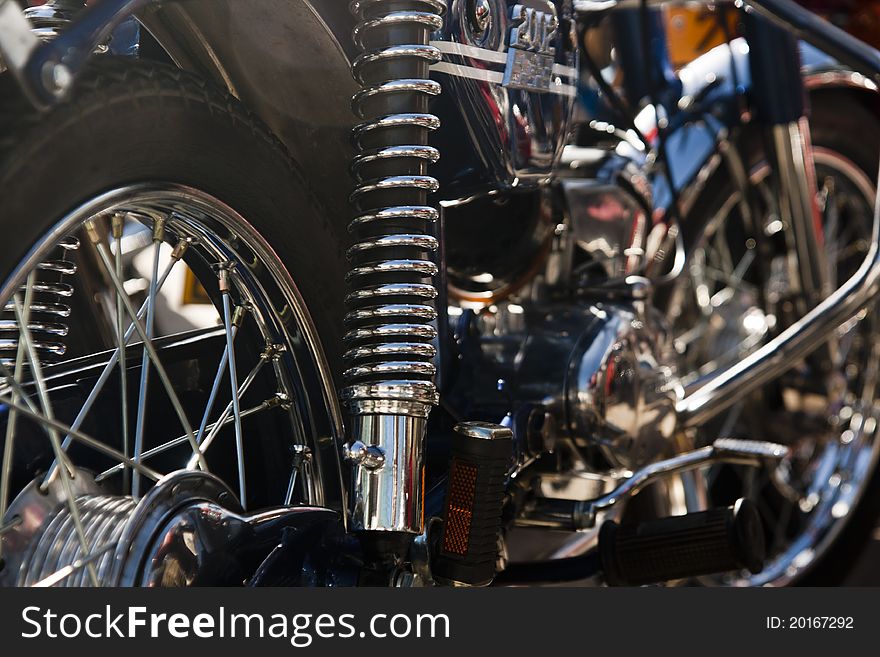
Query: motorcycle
(586, 316)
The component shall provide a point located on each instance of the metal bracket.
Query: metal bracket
(580, 515)
(46, 70)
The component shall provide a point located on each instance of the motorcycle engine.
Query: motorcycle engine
(592, 375)
(578, 358)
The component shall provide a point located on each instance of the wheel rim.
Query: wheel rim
(260, 439)
(822, 486)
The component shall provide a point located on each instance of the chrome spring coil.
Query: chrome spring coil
(50, 19)
(389, 344)
(48, 308)
(104, 519)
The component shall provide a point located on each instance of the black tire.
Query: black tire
(129, 122)
(841, 122)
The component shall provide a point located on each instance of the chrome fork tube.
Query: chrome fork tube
(391, 315)
(799, 207)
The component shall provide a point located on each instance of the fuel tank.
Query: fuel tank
(509, 76)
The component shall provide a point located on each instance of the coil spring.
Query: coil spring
(50, 19)
(50, 294)
(389, 351)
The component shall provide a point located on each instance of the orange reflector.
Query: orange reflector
(459, 512)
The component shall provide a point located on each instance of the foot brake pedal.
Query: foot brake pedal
(679, 547)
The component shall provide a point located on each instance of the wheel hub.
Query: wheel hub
(126, 542)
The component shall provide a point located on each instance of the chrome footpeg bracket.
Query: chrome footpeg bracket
(579, 515)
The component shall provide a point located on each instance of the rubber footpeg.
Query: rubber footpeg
(679, 547)
(468, 546)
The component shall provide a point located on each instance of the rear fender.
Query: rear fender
(285, 62)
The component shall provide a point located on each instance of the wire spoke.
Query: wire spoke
(55, 439)
(182, 440)
(224, 416)
(233, 382)
(12, 524)
(93, 395)
(9, 443)
(148, 344)
(79, 436)
(300, 456)
(118, 227)
(140, 423)
(218, 378)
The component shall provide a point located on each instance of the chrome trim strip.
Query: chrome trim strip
(481, 74)
(495, 77)
(483, 54)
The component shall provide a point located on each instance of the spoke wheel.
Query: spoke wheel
(157, 362)
(94, 432)
(736, 294)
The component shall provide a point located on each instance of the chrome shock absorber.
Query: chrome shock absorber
(391, 316)
(49, 307)
(51, 18)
